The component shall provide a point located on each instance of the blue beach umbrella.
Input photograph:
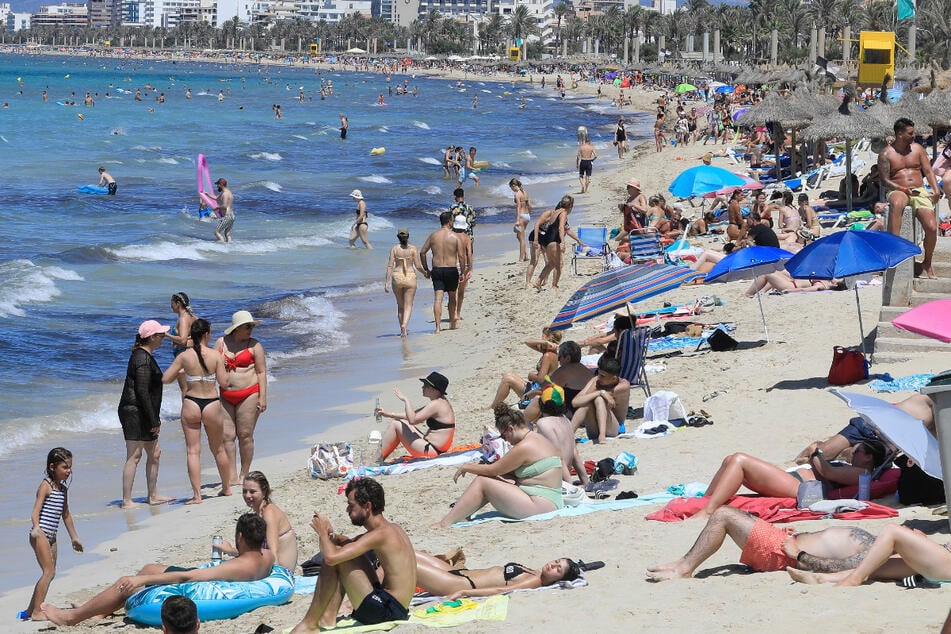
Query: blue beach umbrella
(725, 89)
(847, 254)
(747, 263)
(617, 287)
(702, 179)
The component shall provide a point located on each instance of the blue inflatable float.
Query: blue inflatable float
(215, 599)
(92, 189)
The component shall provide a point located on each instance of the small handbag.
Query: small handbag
(809, 493)
(848, 366)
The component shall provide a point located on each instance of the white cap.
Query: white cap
(460, 223)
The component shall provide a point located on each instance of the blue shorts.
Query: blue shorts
(858, 430)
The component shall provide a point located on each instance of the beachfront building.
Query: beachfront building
(542, 10)
(61, 15)
(333, 10)
(454, 8)
(16, 21)
(103, 13)
(663, 7)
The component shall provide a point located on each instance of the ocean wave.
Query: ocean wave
(495, 211)
(383, 129)
(433, 190)
(313, 321)
(167, 160)
(428, 160)
(202, 249)
(421, 124)
(147, 148)
(267, 156)
(98, 415)
(23, 282)
(375, 178)
(300, 136)
(527, 154)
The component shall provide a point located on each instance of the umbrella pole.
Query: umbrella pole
(762, 314)
(777, 148)
(848, 176)
(858, 306)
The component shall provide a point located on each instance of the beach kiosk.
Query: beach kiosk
(315, 47)
(876, 57)
(515, 53)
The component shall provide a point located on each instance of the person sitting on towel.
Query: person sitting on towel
(571, 375)
(601, 406)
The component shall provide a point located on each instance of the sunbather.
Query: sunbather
(601, 406)
(784, 282)
(438, 577)
(769, 548)
(571, 375)
(740, 469)
(558, 430)
(511, 382)
(708, 259)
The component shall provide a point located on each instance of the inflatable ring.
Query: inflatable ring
(215, 599)
(480, 164)
(92, 189)
(204, 182)
(378, 150)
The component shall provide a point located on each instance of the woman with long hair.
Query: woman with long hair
(438, 577)
(281, 538)
(401, 274)
(179, 333)
(550, 231)
(523, 215)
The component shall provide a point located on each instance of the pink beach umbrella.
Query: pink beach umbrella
(748, 184)
(931, 320)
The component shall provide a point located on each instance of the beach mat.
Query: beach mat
(492, 609)
(773, 510)
(396, 468)
(569, 511)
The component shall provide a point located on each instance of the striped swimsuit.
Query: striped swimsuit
(52, 511)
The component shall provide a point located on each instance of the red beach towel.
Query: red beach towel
(774, 510)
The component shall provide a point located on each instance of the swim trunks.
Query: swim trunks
(343, 133)
(378, 607)
(763, 551)
(858, 430)
(919, 199)
(584, 167)
(225, 224)
(112, 188)
(445, 278)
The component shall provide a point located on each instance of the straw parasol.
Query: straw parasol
(849, 125)
(780, 111)
(907, 106)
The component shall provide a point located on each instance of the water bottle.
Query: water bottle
(216, 549)
(376, 411)
(865, 486)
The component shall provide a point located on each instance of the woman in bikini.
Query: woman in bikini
(405, 429)
(401, 272)
(736, 230)
(202, 369)
(438, 577)
(523, 215)
(532, 467)
(245, 397)
(548, 363)
(256, 491)
(178, 335)
(549, 234)
(360, 226)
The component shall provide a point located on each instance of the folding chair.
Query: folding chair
(596, 241)
(645, 245)
(631, 352)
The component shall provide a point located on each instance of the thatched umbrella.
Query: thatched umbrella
(907, 106)
(781, 112)
(849, 125)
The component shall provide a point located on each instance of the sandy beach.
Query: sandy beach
(767, 399)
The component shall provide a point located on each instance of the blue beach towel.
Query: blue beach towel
(581, 509)
(911, 383)
(663, 344)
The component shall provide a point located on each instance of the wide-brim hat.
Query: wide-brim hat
(356, 194)
(151, 327)
(240, 318)
(437, 381)
(633, 183)
(459, 223)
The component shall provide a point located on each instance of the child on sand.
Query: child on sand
(51, 505)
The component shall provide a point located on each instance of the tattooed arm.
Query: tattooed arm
(856, 543)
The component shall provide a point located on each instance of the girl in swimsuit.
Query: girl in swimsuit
(245, 397)
(533, 463)
(178, 335)
(438, 415)
(203, 370)
(523, 215)
(256, 492)
(401, 270)
(359, 228)
(438, 577)
(549, 234)
(736, 230)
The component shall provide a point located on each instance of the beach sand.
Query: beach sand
(771, 402)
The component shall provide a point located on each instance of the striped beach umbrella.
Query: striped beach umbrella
(617, 287)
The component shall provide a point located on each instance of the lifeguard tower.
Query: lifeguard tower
(876, 57)
(315, 47)
(515, 54)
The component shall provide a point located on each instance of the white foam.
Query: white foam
(527, 154)
(495, 211)
(23, 282)
(202, 249)
(167, 160)
(89, 417)
(383, 129)
(4, 138)
(267, 156)
(421, 124)
(274, 187)
(375, 178)
(315, 320)
(433, 190)
(300, 136)
(428, 160)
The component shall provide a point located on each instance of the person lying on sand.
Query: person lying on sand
(251, 564)
(769, 548)
(916, 554)
(782, 281)
(742, 469)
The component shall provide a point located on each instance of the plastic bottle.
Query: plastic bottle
(865, 486)
(376, 411)
(216, 549)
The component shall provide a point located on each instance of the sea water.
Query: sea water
(79, 272)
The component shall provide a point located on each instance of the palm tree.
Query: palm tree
(935, 26)
(490, 33)
(521, 23)
(561, 10)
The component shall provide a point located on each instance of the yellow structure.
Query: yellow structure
(515, 53)
(315, 47)
(876, 57)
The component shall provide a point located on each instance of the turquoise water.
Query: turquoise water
(79, 272)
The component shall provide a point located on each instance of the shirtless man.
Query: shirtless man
(903, 165)
(469, 169)
(251, 564)
(601, 406)
(344, 126)
(445, 275)
(461, 227)
(381, 594)
(225, 209)
(584, 162)
(769, 548)
(106, 180)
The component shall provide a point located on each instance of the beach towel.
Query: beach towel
(664, 344)
(492, 609)
(773, 510)
(911, 383)
(582, 509)
(448, 459)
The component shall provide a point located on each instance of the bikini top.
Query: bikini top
(435, 425)
(537, 468)
(199, 378)
(512, 570)
(243, 359)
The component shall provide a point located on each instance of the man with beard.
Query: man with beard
(381, 590)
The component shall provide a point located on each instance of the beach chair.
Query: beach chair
(631, 352)
(596, 241)
(645, 245)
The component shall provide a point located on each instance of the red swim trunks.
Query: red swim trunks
(763, 551)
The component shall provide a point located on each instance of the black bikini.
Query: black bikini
(458, 573)
(202, 403)
(509, 572)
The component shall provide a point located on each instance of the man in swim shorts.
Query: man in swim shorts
(226, 208)
(903, 165)
(446, 248)
(344, 126)
(380, 592)
(768, 548)
(106, 180)
(252, 564)
(584, 161)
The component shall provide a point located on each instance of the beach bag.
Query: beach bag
(809, 493)
(493, 445)
(330, 460)
(917, 487)
(720, 341)
(848, 366)
(664, 406)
